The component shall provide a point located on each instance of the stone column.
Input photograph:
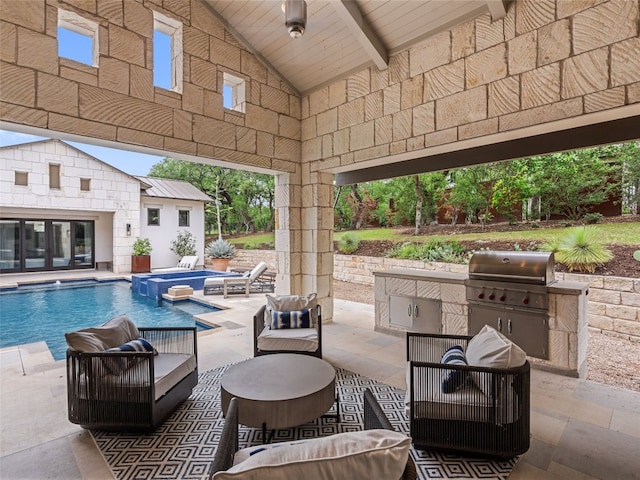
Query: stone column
(304, 236)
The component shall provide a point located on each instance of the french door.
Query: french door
(40, 245)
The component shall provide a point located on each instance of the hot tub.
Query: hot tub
(154, 285)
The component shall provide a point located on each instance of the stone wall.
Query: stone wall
(613, 302)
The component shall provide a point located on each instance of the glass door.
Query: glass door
(9, 245)
(83, 244)
(34, 244)
(61, 244)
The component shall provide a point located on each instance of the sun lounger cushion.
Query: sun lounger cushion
(364, 454)
(292, 339)
(113, 333)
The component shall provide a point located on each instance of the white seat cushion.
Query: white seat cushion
(170, 368)
(293, 339)
(369, 454)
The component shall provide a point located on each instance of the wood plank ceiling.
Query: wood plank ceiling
(342, 36)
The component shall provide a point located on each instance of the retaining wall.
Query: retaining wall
(613, 302)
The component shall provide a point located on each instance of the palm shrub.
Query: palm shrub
(184, 244)
(349, 243)
(581, 249)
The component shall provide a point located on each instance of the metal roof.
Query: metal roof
(166, 188)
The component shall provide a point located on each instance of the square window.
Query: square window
(167, 53)
(183, 218)
(153, 216)
(85, 184)
(77, 38)
(54, 175)
(22, 178)
(233, 93)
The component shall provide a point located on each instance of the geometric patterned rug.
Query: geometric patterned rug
(183, 447)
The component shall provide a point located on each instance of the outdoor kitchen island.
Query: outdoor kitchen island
(436, 302)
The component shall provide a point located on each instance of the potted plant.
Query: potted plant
(141, 256)
(220, 251)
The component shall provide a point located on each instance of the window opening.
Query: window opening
(167, 53)
(54, 175)
(22, 178)
(77, 38)
(183, 218)
(85, 184)
(233, 93)
(153, 216)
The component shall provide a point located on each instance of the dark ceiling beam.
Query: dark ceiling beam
(614, 131)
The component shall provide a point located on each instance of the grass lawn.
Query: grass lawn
(627, 233)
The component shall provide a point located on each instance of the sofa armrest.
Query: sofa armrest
(258, 326)
(374, 418)
(228, 444)
(172, 339)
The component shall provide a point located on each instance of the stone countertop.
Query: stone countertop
(449, 277)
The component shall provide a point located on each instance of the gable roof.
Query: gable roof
(168, 188)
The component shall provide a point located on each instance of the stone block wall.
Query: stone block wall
(545, 61)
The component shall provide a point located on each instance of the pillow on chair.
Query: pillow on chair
(293, 319)
(117, 331)
(455, 380)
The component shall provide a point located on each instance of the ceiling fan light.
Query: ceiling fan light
(295, 15)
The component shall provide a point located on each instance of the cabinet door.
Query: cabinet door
(479, 316)
(401, 311)
(529, 331)
(426, 315)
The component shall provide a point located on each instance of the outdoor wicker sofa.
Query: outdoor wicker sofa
(374, 418)
(112, 389)
(488, 415)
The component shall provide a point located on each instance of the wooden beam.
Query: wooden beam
(497, 9)
(350, 14)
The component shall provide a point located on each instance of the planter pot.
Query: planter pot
(140, 263)
(220, 264)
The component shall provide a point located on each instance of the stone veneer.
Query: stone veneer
(613, 302)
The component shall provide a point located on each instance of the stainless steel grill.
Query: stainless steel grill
(508, 290)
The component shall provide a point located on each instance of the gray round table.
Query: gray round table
(280, 390)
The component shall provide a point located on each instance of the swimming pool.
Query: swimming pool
(46, 312)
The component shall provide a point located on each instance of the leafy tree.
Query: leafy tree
(512, 186)
(472, 192)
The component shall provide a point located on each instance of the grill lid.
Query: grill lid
(506, 266)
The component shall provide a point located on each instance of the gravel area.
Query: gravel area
(610, 360)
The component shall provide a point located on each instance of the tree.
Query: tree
(472, 192)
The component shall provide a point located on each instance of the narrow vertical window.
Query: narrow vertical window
(153, 216)
(22, 178)
(85, 184)
(183, 218)
(167, 53)
(77, 38)
(54, 175)
(233, 93)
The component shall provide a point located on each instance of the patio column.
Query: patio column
(304, 233)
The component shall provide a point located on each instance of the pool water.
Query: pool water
(45, 313)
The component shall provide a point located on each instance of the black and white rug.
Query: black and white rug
(183, 447)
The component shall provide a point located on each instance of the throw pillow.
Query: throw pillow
(294, 319)
(288, 303)
(137, 345)
(363, 454)
(115, 366)
(490, 348)
(455, 380)
(117, 331)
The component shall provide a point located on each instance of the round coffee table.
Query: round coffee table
(281, 390)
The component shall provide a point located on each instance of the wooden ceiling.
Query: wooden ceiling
(341, 36)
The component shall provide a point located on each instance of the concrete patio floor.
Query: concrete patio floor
(580, 429)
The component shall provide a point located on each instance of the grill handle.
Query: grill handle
(499, 324)
(502, 277)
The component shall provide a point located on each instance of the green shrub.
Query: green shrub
(404, 251)
(184, 244)
(142, 246)
(581, 249)
(430, 251)
(636, 255)
(535, 225)
(349, 243)
(592, 218)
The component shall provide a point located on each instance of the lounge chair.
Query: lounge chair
(249, 282)
(187, 263)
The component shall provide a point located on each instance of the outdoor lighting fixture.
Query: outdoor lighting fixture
(295, 17)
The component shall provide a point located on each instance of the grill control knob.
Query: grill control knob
(503, 297)
(481, 296)
(525, 300)
(492, 296)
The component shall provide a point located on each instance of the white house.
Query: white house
(62, 209)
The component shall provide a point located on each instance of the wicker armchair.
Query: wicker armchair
(374, 418)
(113, 390)
(469, 420)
